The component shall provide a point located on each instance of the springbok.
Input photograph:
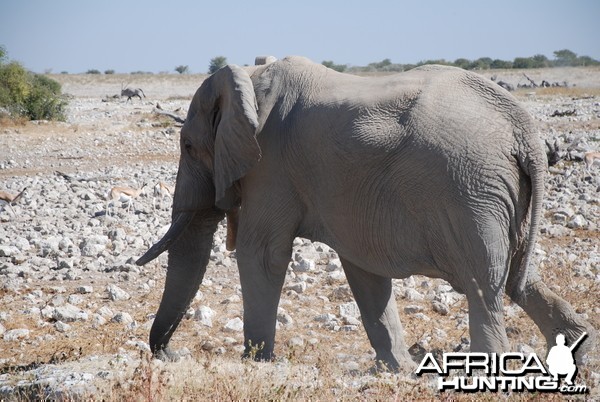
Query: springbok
(123, 195)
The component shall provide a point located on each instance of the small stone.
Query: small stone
(84, 290)
(115, 293)
(284, 318)
(413, 295)
(62, 326)
(440, 308)
(578, 222)
(299, 287)
(295, 342)
(304, 265)
(349, 310)
(122, 318)
(16, 334)
(204, 315)
(325, 318)
(334, 265)
(69, 313)
(412, 309)
(234, 325)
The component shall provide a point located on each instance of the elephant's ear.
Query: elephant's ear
(236, 148)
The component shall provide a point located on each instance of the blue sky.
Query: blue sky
(158, 35)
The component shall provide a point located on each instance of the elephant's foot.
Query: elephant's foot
(553, 315)
(167, 355)
(399, 363)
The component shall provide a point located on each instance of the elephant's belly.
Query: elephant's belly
(383, 248)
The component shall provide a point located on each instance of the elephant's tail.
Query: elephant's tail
(533, 162)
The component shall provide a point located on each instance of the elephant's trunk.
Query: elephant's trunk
(188, 257)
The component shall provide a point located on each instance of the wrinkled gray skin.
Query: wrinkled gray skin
(435, 171)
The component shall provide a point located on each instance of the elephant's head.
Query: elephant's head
(218, 147)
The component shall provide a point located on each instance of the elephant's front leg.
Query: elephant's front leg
(375, 298)
(262, 278)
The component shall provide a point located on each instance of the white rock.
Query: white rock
(304, 265)
(62, 327)
(412, 309)
(8, 251)
(234, 325)
(349, 310)
(115, 293)
(413, 295)
(122, 318)
(298, 287)
(16, 334)
(84, 289)
(334, 265)
(69, 313)
(325, 318)
(204, 315)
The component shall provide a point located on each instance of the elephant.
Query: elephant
(434, 171)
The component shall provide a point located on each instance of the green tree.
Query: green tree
(217, 63)
(182, 69)
(565, 57)
(337, 67)
(482, 63)
(540, 61)
(586, 61)
(497, 63)
(30, 95)
(522, 62)
(462, 63)
(3, 54)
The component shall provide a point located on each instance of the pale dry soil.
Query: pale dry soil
(112, 142)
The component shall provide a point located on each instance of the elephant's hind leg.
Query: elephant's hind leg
(554, 315)
(486, 318)
(375, 298)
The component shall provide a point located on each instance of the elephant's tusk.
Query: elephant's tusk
(232, 227)
(178, 226)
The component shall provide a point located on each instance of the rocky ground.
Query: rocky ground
(75, 311)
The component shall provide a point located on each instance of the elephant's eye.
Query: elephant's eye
(187, 145)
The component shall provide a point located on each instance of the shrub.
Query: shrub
(34, 96)
(216, 63)
(109, 72)
(337, 67)
(44, 101)
(93, 71)
(182, 69)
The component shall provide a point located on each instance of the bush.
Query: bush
(109, 72)
(34, 96)
(93, 71)
(216, 63)
(182, 69)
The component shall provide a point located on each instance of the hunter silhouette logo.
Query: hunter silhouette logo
(516, 372)
(560, 359)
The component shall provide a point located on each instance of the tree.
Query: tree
(337, 67)
(540, 61)
(522, 62)
(565, 57)
(217, 63)
(497, 64)
(3, 54)
(462, 63)
(182, 69)
(483, 63)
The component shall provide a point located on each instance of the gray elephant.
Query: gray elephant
(435, 171)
